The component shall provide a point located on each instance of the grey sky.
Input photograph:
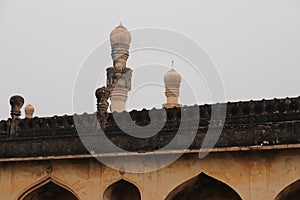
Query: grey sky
(255, 45)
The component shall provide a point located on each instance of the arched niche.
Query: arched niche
(122, 190)
(48, 190)
(203, 187)
(291, 192)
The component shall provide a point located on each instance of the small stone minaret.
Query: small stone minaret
(119, 76)
(102, 95)
(172, 81)
(16, 103)
(29, 110)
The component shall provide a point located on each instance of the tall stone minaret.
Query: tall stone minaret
(119, 76)
(172, 81)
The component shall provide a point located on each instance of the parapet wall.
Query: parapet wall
(250, 123)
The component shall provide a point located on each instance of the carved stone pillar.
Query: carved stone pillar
(102, 95)
(119, 84)
(16, 103)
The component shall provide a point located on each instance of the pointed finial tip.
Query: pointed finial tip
(172, 64)
(120, 25)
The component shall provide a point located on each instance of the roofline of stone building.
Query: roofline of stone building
(247, 124)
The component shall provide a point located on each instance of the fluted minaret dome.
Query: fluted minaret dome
(172, 77)
(120, 35)
(120, 39)
(172, 80)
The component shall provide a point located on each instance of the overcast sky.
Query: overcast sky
(254, 44)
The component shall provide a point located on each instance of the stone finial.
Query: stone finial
(120, 39)
(119, 76)
(172, 81)
(102, 95)
(29, 110)
(16, 103)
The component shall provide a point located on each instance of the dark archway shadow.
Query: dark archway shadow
(122, 190)
(291, 192)
(203, 187)
(48, 190)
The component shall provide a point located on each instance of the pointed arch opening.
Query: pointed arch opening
(203, 187)
(291, 192)
(48, 190)
(122, 190)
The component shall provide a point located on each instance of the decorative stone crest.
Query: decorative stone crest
(16, 103)
(29, 110)
(102, 95)
(49, 169)
(120, 39)
(172, 81)
(119, 76)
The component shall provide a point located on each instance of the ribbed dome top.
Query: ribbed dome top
(172, 77)
(120, 35)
